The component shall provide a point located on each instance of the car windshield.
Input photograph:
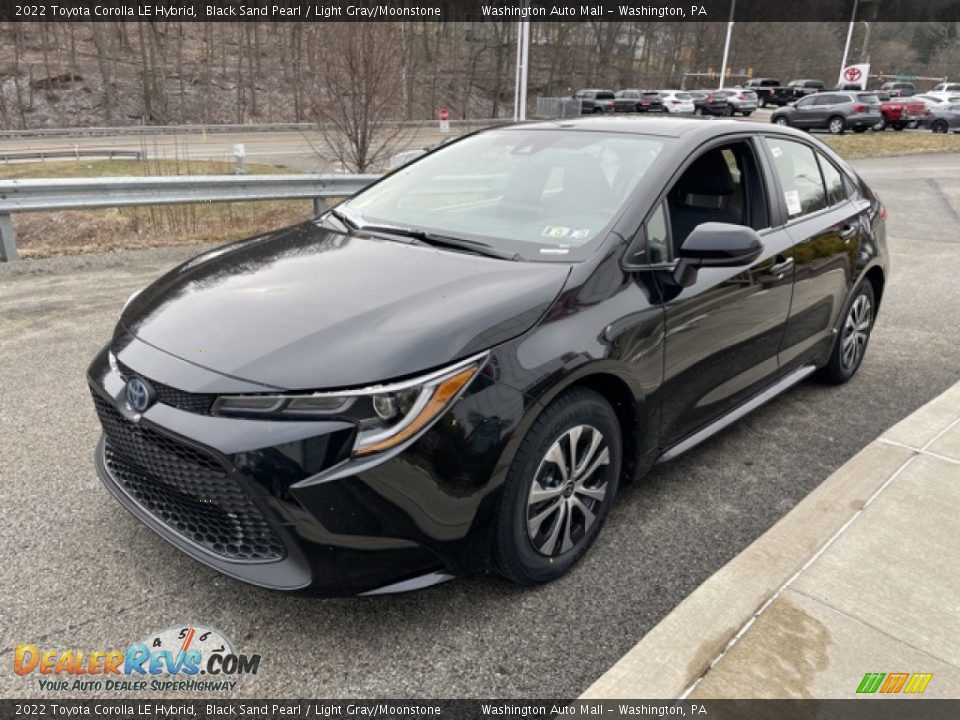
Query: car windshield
(543, 194)
(605, 95)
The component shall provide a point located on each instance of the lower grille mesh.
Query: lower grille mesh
(186, 489)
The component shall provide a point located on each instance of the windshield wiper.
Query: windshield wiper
(447, 241)
(344, 218)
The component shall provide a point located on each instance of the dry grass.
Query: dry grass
(69, 232)
(889, 143)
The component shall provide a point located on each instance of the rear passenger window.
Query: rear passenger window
(800, 181)
(836, 193)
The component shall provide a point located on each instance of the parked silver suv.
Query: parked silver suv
(833, 110)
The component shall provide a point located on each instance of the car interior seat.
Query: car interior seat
(703, 194)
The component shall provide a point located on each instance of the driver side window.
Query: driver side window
(722, 185)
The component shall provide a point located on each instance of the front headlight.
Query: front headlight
(385, 415)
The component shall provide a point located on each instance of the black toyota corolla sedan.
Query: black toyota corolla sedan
(453, 370)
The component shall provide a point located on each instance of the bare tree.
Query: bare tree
(357, 91)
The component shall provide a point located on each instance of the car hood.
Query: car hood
(310, 308)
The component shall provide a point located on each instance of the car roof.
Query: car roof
(692, 128)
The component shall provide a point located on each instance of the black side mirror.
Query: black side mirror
(716, 245)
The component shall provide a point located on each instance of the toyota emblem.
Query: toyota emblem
(139, 394)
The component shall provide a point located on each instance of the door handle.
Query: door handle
(781, 265)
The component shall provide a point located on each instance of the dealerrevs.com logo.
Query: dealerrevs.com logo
(182, 658)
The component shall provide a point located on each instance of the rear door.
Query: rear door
(824, 217)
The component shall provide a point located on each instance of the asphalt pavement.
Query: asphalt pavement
(79, 572)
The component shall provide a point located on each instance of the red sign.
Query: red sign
(443, 114)
(852, 74)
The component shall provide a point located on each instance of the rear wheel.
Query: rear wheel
(899, 126)
(851, 343)
(939, 126)
(559, 489)
(728, 111)
(836, 125)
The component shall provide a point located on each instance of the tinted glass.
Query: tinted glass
(827, 99)
(605, 96)
(868, 98)
(833, 180)
(545, 194)
(799, 174)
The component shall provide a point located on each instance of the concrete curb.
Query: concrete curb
(672, 658)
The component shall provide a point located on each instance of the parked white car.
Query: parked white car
(677, 101)
(945, 91)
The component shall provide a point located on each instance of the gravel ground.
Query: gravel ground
(79, 572)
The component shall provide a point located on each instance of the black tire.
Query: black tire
(782, 120)
(761, 102)
(836, 125)
(515, 554)
(899, 127)
(598, 110)
(841, 368)
(698, 111)
(728, 111)
(939, 126)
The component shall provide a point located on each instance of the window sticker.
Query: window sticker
(555, 231)
(792, 198)
(580, 234)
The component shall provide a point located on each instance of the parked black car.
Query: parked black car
(833, 111)
(709, 102)
(595, 101)
(457, 367)
(943, 119)
(770, 92)
(638, 101)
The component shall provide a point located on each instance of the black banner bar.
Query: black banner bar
(872, 708)
(477, 10)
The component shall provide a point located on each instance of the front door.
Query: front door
(723, 332)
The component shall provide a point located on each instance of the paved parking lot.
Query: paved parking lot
(79, 572)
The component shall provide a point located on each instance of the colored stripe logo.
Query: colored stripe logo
(893, 683)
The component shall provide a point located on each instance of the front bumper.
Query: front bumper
(281, 504)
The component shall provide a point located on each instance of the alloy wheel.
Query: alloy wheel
(567, 490)
(856, 332)
(782, 121)
(836, 126)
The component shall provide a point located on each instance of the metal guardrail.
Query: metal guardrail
(128, 130)
(76, 154)
(85, 193)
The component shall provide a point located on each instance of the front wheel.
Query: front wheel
(939, 126)
(835, 125)
(559, 489)
(851, 343)
(782, 120)
(728, 111)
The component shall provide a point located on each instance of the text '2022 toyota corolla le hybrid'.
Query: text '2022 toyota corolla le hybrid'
(452, 371)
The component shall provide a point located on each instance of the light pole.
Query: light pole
(846, 47)
(726, 45)
(523, 61)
